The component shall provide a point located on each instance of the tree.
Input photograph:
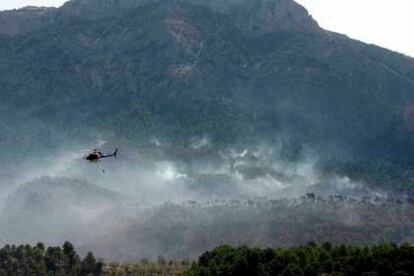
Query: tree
(90, 266)
(72, 259)
(292, 270)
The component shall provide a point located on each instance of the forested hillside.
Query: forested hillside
(237, 73)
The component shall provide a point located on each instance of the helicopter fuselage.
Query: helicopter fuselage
(94, 156)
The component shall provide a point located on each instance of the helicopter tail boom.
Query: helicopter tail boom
(111, 155)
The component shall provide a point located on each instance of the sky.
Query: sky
(13, 4)
(387, 23)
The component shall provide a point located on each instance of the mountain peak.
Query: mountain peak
(266, 16)
(259, 16)
(253, 17)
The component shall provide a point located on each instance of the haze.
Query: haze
(230, 130)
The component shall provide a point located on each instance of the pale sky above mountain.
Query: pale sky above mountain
(13, 4)
(387, 23)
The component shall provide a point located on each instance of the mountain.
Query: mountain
(239, 73)
(23, 21)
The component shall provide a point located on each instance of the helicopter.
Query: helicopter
(96, 155)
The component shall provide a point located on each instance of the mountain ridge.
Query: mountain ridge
(268, 14)
(247, 72)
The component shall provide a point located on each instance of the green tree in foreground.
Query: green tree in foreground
(37, 260)
(312, 259)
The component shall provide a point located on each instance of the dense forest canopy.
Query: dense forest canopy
(312, 259)
(38, 260)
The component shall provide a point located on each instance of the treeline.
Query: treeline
(312, 259)
(145, 267)
(37, 260)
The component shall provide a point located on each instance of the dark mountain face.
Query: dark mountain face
(238, 72)
(23, 20)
